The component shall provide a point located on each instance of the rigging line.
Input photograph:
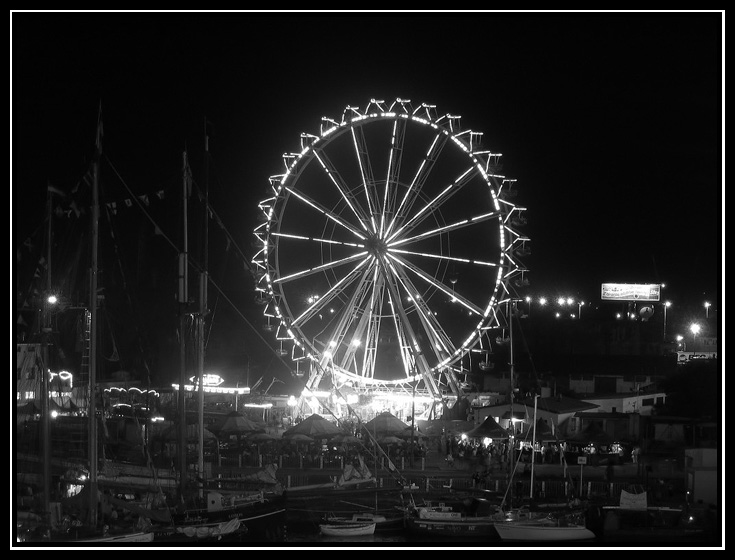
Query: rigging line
(194, 265)
(530, 356)
(245, 260)
(140, 205)
(256, 331)
(231, 239)
(128, 297)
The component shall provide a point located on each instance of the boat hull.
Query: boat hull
(382, 522)
(478, 527)
(263, 521)
(533, 531)
(347, 529)
(138, 537)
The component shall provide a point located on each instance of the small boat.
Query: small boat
(382, 522)
(347, 529)
(444, 521)
(136, 537)
(548, 528)
(234, 529)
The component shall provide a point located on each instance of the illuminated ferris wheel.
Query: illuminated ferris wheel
(389, 251)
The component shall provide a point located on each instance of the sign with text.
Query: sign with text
(581, 460)
(685, 357)
(631, 292)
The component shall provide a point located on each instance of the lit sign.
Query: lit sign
(684, 357)
(208, 380)
(631, 292)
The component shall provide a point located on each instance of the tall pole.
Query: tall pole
(511, 451)
(93, 451)
(413, 414)
(183, 304)
(533, 442)
(203, 280)
(44, 389)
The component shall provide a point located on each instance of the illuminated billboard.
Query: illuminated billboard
(631, 292)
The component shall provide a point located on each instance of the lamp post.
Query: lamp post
(45, 410)
(528, 301)
(666, 306)
(706, 309)
(579, 309)
(695, 328)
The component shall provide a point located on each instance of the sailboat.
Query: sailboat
(523, 525)
(71, 528)
(202, 513)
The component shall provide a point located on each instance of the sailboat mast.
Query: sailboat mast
(533, 442)
(203, 281)
(511, 440)
(93, 451)
(44, 388)
(183, 303)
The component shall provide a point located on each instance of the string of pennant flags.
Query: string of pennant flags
(73, 209)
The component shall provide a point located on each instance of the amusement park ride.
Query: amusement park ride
(389, 253)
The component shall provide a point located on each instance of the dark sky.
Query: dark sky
(610, 122)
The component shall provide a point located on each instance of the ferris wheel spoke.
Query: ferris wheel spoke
(413, 356)
(324, 299)
(366, 172)
(350, 200)
(433, 205)
(439, 285)
(347, 317)
(447, 258)
(468, 222)
(322, 267)
(390, 193)
(441, 344)
(412, 193)
(328, 213)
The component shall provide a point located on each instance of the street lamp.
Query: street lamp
(680, 344)
(695, 328)
(666, 306)
(706, 309)
(579, 309)
(528, 301)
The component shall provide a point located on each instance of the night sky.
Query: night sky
(612, 123)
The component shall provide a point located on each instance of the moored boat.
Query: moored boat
(444, 521)
(382, 522)
(260, 518)
(234, 529)
(544, 528)
(347, 529)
